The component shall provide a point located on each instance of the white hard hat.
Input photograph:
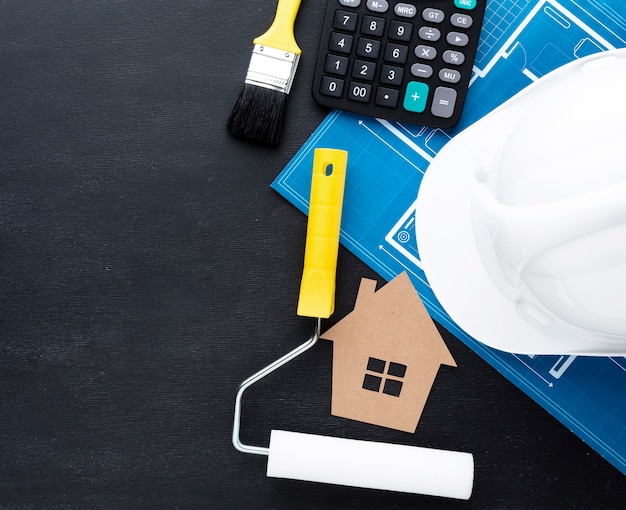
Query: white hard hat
(521, 218)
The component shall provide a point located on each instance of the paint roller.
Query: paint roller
(333, 460)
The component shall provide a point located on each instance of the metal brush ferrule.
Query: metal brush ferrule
(272, 68)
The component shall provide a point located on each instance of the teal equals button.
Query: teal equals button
(415, 97)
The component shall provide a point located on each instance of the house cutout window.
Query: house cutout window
(389, 382)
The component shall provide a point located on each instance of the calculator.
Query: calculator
(404, 61)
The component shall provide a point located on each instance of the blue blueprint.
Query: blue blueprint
(521, 41)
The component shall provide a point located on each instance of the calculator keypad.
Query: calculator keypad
(406, 61)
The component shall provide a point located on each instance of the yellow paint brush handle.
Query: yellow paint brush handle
(317, 289)
(280, 34)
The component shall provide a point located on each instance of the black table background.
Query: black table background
(146, 268)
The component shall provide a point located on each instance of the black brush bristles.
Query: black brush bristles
(258, 114)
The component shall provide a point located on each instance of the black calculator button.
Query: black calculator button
(332, 87)
(457, 39)
(461, 20)
(425, 52)
(400, 31)
(453, 57)
(387, 97)
(405, 10)
(373, 26)
(361, 92)
(337, 65)
(340, 43)
(396, 53)
(368, 48)
(420, 70)
(429, 33)
(364, 70)
(444, 101)
(449, 75)
(433, 15)
(392, 75)
(345, 20)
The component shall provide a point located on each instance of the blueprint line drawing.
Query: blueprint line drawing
(521, 41)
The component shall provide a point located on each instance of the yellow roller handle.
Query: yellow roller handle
(280, 34)
(317, 289)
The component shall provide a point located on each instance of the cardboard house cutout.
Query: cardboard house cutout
(386, 355)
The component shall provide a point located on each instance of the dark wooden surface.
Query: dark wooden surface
(146, 268)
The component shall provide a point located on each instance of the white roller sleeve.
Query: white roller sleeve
(368, 464)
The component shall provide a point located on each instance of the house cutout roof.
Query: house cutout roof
(386, 355)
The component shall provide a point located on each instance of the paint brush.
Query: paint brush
(259, 111)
